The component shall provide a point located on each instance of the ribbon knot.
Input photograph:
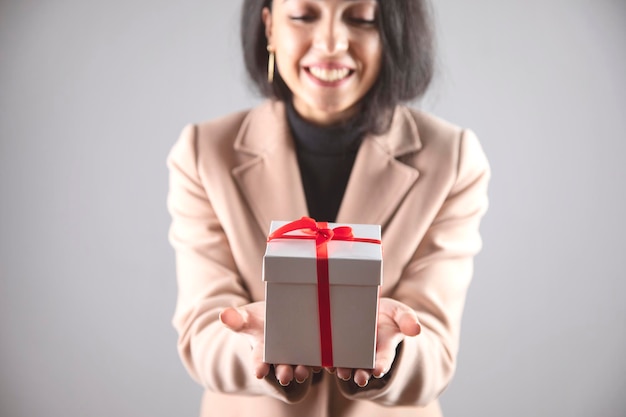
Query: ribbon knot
(323, 235)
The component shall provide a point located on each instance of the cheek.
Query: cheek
(372, 57)
(375, 49)
(369, 50)
(291, 48)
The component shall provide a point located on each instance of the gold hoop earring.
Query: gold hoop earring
(270, 65)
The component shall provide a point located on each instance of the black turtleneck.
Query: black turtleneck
(326, 155)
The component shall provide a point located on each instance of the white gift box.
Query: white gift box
(295, 332)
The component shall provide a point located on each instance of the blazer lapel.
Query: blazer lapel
(268, 174)
(379, 181)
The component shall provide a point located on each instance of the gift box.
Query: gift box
(322, 285)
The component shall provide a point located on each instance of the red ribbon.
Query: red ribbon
(322, 235)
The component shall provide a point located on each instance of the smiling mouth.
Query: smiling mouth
(329, 75)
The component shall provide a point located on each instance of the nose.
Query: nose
(331, 37)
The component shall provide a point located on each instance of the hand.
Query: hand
(396, 321)
(249, 320)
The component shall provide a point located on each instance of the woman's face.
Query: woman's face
(328, 52)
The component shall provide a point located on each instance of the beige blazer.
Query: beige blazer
(424, 182)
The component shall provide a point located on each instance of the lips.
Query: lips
(329, 74)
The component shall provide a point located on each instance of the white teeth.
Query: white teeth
(330, 75)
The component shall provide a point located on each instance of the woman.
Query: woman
(334, 143)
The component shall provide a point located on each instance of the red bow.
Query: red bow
(319, 231)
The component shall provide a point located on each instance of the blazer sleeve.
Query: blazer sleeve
(435, 283)
(208, 282)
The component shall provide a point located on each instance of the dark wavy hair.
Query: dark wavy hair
(407, 67)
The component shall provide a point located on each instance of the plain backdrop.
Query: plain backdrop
(94, 94)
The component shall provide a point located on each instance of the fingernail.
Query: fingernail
(282, 383)
(345, 378)
(300, 381)
(364, 385)
(380, 375)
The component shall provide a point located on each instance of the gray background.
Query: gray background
(93, 95)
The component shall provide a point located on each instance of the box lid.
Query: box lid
(349, 263)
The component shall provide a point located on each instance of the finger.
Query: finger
(242, 321)
(384, 360)
(344, 373)
(284, 374)
(362, 377)
(261, 370)
(408, 324)
(301, 373)
(232, 319)
(316, 369)
(405, 318)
